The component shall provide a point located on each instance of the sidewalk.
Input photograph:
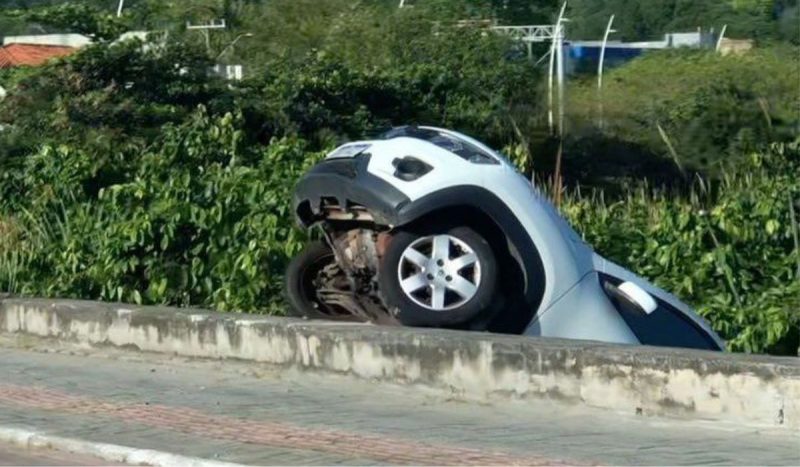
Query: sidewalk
(246, 413)
(16, 455)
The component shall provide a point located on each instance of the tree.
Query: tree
(638, 20)
(713, 109)
(510, 12)
(80, 18)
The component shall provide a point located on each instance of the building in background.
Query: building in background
(76, 41)
(14, 55)
(228, 72)
(34, 50)
(583, 56)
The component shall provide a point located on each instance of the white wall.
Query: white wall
(68, 40)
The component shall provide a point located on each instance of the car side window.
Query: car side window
(666, 326)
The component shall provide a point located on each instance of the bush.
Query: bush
(711, 108)
(203, 221)
(638, 20)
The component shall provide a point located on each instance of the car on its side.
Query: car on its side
(425, 226)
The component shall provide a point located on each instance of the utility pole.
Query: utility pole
(721, 36)
(233, 43)
(557, 55)
(206, 29)
(560, 74)
(600, 67)
(529, 34)
(556, 52)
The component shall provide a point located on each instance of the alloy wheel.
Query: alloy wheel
(439, 272)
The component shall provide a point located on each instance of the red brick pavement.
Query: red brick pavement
(281, 435)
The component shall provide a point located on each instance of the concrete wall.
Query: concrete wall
(752, 390)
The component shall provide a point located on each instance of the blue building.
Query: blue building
(583, 56)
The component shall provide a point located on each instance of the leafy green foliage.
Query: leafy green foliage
(525, 12)
(711, 108)
(649, 19)
(211, 217)
(81, 18)
(107, 101)
(324, 96)
(202, 220)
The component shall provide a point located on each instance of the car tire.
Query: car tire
(441, 276)
(300, 285)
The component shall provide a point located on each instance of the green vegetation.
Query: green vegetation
(713, 109)
(128, 173)
(200, 220)
(762, 20)
(160, 184)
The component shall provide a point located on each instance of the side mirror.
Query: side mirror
(633, 295)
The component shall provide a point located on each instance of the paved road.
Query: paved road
(241, 412)
(15, 455)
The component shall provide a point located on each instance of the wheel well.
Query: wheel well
(468, 216)
(512, 313)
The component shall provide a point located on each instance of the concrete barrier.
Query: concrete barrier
(752, 390)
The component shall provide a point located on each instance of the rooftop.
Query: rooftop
(13, 55)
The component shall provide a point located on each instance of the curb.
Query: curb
(109, 452)
(758, 391)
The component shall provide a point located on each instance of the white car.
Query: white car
(428, 227)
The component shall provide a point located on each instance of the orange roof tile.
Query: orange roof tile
(13, 55)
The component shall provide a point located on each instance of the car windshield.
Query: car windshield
(451, 143)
